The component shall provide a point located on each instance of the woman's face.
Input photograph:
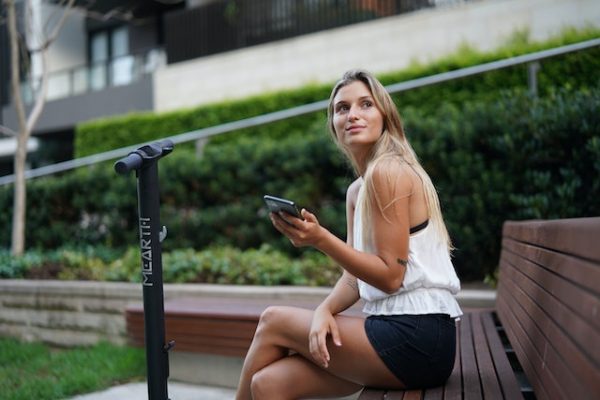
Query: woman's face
(357, 121)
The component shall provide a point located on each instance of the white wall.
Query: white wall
(380, 46)
(70, 48)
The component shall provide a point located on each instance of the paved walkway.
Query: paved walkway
(177, 391)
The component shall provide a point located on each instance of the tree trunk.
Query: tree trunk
(26, 123)
(18, 228)
(20, 196)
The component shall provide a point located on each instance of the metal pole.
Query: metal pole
(145, 162)
(532, 70)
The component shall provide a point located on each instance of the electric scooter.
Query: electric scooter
(144, 161)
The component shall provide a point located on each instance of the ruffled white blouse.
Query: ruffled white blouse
(430, 281)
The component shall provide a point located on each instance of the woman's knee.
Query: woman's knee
(265, 385)
(272, 320)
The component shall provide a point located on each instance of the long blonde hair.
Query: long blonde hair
(392, 144)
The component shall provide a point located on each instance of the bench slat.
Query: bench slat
(576, 328)
(522, 347)
(487, 373)
(453, 387)
(543, 370)
(579, 301)
(506, 376)
(434, 393)
(218, 328)
(581, 272)
(575, 236)
(470, 373)
(398, 395)
(555, 348)
(203, 327)
(409, 395)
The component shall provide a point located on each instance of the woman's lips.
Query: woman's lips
(354, 128)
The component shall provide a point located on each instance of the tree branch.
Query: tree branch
(40, 99)
(14, 56)
(7, 131)
(50, 38)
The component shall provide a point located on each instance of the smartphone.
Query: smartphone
(276, 204)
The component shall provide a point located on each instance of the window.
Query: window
(122, 63)
(110, 61)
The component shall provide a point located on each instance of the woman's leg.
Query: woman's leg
(295, 377)
(286, 328)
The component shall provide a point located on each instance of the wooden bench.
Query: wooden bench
(548, 304)
(207, 325)
(547, 283)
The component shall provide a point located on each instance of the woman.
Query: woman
(396, 258)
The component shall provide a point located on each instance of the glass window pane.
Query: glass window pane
(122, 70)
(98, 76)
(80, 80)
(99, 47)
(58, 85)
(119, 42)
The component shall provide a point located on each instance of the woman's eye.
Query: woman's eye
(367, 104)
(342, 108)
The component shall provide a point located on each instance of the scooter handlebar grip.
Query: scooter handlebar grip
(129, 163)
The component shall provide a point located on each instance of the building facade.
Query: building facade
(121, 57)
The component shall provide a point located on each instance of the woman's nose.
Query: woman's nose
(353, 114)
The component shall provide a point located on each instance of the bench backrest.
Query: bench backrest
(549, 304)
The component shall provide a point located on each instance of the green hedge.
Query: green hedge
(577, 69)
(219, 265)
(213, 200)
(515, 157)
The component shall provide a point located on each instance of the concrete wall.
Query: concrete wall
(69, 313)
(383, 45)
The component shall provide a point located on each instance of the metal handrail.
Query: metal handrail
(304, 109)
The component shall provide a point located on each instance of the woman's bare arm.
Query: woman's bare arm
(390, 224)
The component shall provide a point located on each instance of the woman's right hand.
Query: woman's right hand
(323, 324)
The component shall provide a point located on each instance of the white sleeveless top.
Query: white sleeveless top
(430, 281)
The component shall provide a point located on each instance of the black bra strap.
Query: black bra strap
(419, 227)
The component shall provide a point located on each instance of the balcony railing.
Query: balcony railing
(97, 76)
(225, 25)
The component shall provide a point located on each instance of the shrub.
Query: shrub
(219, 265)
(516, 157)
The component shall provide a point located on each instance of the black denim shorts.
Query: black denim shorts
(418, 349)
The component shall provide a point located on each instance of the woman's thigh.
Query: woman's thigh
(355, 360)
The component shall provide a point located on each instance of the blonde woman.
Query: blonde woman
(396, 258)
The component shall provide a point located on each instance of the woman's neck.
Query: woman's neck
(361, 158)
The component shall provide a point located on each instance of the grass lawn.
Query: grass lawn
(37, 371)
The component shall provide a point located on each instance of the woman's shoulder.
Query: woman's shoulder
(391, 171)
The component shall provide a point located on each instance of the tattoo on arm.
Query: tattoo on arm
(352, 283)
(402, 262)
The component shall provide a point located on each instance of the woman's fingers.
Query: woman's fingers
(316, 350)
(322, 350)
(335, 334)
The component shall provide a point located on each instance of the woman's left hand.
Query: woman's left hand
(301, 233)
